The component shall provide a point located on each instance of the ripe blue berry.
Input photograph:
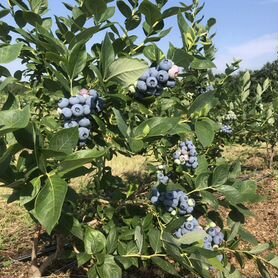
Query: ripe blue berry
(86, 109)
(77, 110)
(73, 100)
(141, 86)
(83, 133)
(70, 124)
(66, 112)
(163, 76)
(165, 65)
(82, 99)
(151, 82)
(171, 83)
(64, 102)
(85, 122)
(153, 72)
(144, 76)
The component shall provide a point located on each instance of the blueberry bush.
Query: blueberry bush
(84, 100)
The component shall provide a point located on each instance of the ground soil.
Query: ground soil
(16, 228)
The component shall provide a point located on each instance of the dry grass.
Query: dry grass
(122, 165)
(16, 227)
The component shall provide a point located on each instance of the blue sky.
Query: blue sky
(245, 29)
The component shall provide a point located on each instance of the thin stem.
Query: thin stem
(148, 257)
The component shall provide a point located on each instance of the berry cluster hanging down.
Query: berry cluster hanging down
(190, 225)
(175, 200)
(162, 178)
(76, 111)
(186, 155)
(153, 81)
(226, 129)
(214, 237)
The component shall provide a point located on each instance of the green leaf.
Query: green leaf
(234, 231)
(6, 157)
(124, 9)
(32, 18)
(112, 240)
(10, 52)
(49, 202)
(25, 136)
(126, 71)
(6, 82)
(204, 101)
(139, 238)
(247, 190)
(182, 58)
(245, 235)
(4, 12)
(263, 270)
(220, 174)
(135, 145)
(151, 12)
(64, 140)
(82, 258)
(94, 241)
(107, 55)
(154, 239)
(157, 126)
(11, 120)
(259, 248)
(77, 60)
(96, 7)
(39, 6)
(166, 266)
(109, 269)
(274, 262)
(191, 237)
(202, 63)
(204, 131)
(120, 122)
(79, 158)
(187, 239)
(153, 53)
(36, 186)
(231, 194)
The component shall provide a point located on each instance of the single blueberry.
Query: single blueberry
(163, 76)
(151, 82)
(73, 100)
(64, 102)
(83, 133)
(85, 122)
(77, 110)
(66, 112)
(165, 65)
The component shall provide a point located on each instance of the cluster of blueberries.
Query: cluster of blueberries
(153, 81)
(226, 129)
(175, 200)
(76, 111)
(186, 155)
(214, 237)
(190, 225)
(162, 178)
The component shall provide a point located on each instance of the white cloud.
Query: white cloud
(254, 53)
